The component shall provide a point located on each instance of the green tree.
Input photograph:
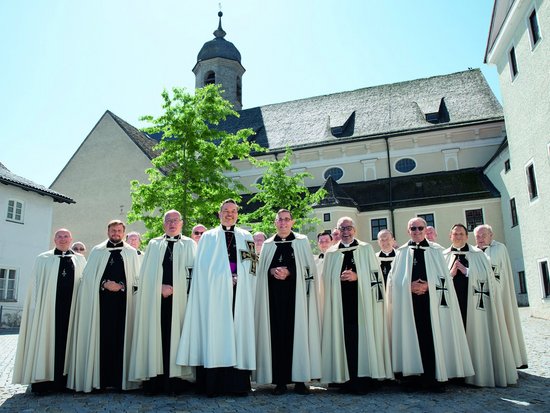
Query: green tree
(280, 188)
(189, 173)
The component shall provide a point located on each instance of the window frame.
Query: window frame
(531, 176)
(544, 274)
(533, 28)
(405, 158)
(513, 63)
(514, 212)
(426, 217)
(326, 173)
(4, 284)
(21, 219)
(374, 236)
(469, 225)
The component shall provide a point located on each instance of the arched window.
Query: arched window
(335, 172)
(239, 91)
(210, 78)
(405, 165)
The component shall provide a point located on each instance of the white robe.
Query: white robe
(500, 261)
(306, 351)
(146, 360)
(319, 262)
(374, 359)
(488, 339)
(452, 356)
(83, 358)
(212, 336)
(34, 359)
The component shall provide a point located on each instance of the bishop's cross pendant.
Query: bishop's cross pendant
(111, 261)
(64, 273)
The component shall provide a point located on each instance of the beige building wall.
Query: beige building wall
(526, 102)
(98, 178)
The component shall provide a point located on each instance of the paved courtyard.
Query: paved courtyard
(531, 394)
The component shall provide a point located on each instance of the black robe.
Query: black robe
(422, 317)
(112, 324)
(282, 301)
(163, 383)
(225, 380)
(385, 266)
(63, 301)
(460, 282)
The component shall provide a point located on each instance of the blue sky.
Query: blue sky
(65, 62)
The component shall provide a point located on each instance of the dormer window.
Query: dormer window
(342, 124)
(435, 111)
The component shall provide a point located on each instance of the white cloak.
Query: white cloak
(374, 359)
(306, 350)
(319, 262)
(212, 336)
(486, 331)
(34, 359)
(500, 261)
(83, 348)
(146, 356)
(452, 356)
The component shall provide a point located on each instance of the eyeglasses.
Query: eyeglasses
(416, 228)
(172, 221)
(348, 228)
(284, 219)
(79, 249)
(198, 232)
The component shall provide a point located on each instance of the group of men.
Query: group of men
(233, 308)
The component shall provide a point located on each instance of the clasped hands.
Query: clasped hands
(419, 287)
(113, 286)
(280, 273)
(458, 267)
(348, 275)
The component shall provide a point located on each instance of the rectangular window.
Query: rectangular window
(513, 63)
(429, 218)
(15, 211)
(545, 278)
(326, 217)
(534, 30)
(513, 212)
(506, 165)
(522, 282)
(377, 225)
(7, 284)
(531, 181)
(474, 217)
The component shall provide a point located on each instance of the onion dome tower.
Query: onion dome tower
(219, 62)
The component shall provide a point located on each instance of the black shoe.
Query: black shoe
(279, 390)
(301, 388)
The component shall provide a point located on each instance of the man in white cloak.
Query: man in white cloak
(218, 331)
(429, 345)
(355, 342)
(288, 342)
(488, 340)
(49, 304)
(500, 262)
(160, 309)
(99, 348)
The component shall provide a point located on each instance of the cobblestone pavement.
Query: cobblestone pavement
(531, 394)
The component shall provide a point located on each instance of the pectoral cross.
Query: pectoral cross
(441, 287)
(377, 282)
(111, 261)
(64, 273)
(251, 255)
(481, 291)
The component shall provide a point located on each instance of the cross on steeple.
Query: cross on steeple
(376, 282)
(481, 291)
(251, 255)
(441, 287)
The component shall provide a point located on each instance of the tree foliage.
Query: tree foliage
(189, 173)
(281, 188)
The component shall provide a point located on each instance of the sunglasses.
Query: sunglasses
(416, 228)
(79, 249)
(198, 232)
(348, 228)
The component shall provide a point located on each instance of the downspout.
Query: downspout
(390, 200)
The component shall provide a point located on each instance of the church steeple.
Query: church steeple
(219, 62)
